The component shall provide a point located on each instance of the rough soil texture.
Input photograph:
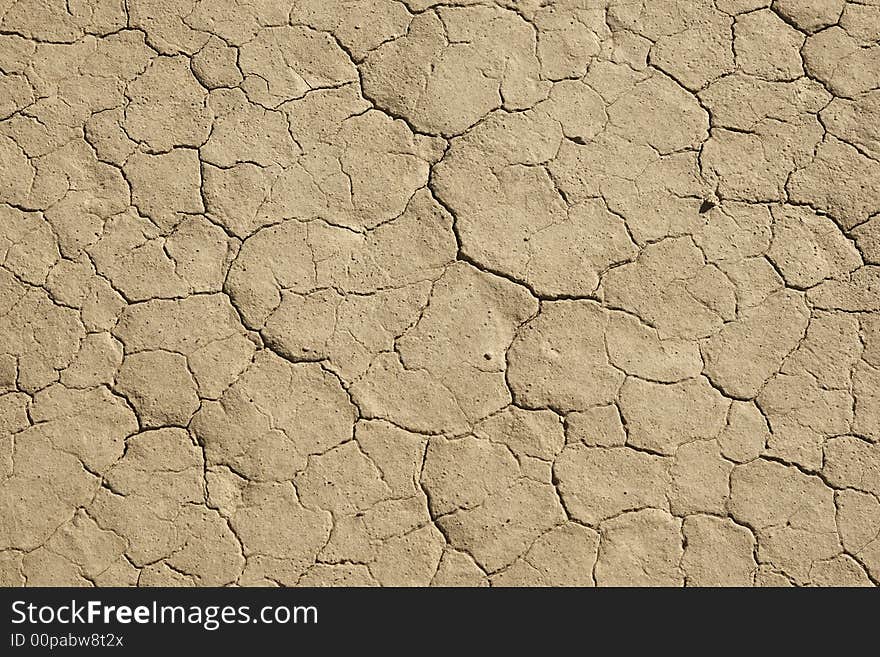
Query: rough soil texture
(381, 292)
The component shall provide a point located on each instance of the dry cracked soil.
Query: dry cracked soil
(383, 292)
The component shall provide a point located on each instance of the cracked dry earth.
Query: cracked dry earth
(363, 292)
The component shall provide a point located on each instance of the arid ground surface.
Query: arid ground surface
(364, 292)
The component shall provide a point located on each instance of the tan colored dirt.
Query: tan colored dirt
(404, 292)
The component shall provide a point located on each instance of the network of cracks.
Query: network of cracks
(380, 292)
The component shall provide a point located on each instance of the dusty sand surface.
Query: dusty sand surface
(364, 292)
